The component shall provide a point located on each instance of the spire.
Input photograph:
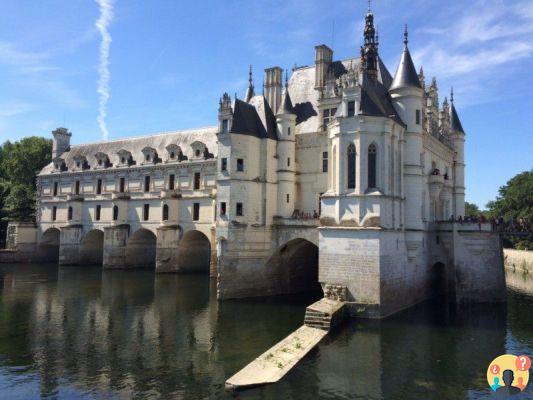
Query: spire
(455, 122)
(286, 103)
(406, 75)
(369, 51)
(250, 92)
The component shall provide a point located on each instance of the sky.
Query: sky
(119, 68)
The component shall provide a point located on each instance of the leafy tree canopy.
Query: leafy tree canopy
(20, 162)
(472, 209)
(515, 199)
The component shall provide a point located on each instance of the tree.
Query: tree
(20, 162)
(472, 209)
(514, 203)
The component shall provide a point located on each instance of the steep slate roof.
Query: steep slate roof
(286, 104)
(135, 145)
(406, 74)
(254, 118)
(375, 102)
(455, 122)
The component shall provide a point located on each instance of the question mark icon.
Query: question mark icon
(523, 363)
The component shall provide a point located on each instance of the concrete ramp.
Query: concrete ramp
(274, 364)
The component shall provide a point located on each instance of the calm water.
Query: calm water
(72, 333)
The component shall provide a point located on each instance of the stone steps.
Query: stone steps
(324, 314)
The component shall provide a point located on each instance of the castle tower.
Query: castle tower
(458, 138)
(61, 141)
(286, 125)
(407, 95)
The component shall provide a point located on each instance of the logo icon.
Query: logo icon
(509, 374)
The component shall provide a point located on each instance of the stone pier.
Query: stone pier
(115, 240)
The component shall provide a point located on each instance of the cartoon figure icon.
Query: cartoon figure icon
(508, 375)
(496, 383)
(508, 378)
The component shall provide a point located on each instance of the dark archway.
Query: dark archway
(141, 249)
(49, 245)
(92, 248)
(194, 253)
(439, 281)
(294, 267)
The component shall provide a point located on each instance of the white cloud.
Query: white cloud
(487, 39)
(104, 76)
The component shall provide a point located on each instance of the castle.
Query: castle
(342, 178)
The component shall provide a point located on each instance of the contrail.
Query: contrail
(102, 24)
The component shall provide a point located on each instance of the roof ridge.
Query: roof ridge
(147, 135)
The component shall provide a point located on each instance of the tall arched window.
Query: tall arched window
(165, 212)
(115, 213)
(372, 155)
(351, 166)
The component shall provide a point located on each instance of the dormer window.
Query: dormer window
(80, 162)
(125, 158)
(59, 164)
(150, 155)
(102, 160)
(200, 150)
(174, 153)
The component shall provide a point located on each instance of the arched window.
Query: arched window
(372, 153)
(70, 212)
(115, 213)
(165, 212)
(351, 166)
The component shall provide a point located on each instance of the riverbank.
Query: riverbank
(518, 260)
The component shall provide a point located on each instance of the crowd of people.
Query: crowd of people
(498, 224)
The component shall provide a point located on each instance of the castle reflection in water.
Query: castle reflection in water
(87, 332)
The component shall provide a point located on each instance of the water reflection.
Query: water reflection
(81, 332)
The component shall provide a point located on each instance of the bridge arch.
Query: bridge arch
(141, 249)
(194, 252)
(294, 267)
(49, 245)
(92, 248)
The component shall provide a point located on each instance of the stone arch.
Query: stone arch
(49, 245)
(194, 252)
(293, 268)
(92, 248)
(141, 249)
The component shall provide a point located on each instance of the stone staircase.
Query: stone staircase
(324, 314)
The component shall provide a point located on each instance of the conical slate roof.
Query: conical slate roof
(455, 122)
(406, 75)
(286, 104)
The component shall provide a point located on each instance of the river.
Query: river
(84, 333)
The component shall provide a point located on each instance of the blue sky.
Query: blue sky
(169, 62)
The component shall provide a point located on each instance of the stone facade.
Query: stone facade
(342, 177)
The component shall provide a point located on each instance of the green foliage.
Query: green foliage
(472, 209)
(20, 162)
(515, 202)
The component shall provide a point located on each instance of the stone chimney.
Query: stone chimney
(61, 141)
(323, 59)
(273, 87)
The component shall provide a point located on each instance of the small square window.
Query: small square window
(239, 210)
(240, 164)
